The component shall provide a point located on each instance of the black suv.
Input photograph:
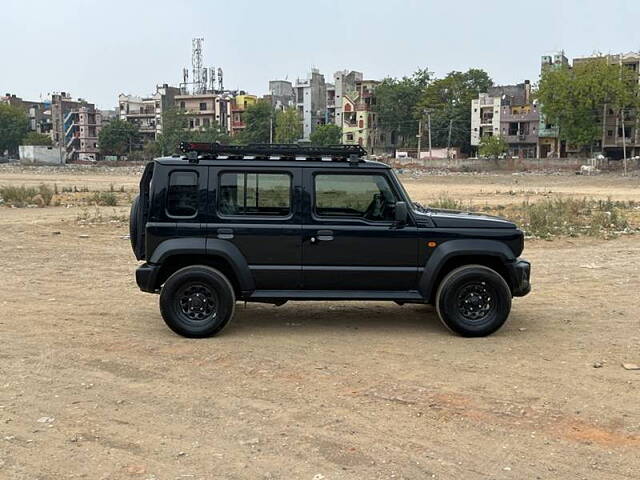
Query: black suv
(272, 223)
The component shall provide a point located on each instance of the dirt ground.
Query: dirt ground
(93, 385)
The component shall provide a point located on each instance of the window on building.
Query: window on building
(206, 122)
(513, 128)
(191, 123)
(627, 132)
(182, 196)
(357, 195)
(609, 133)
(182, 105)
(203, 106)
(197, 122)
(350, 137)
(266, 194)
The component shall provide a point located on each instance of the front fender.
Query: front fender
(456, 248)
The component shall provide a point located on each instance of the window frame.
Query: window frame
(197, 185)
(254, 216)
(345, 218)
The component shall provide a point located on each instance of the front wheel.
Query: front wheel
(197, 301)
(473, 301)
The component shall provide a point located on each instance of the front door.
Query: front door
(258, 211)
(350, 241)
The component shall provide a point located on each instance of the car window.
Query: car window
(182, 197)
(357, 195)
(255, 194)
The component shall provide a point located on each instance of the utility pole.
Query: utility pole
(419, 135)
(449, 138)
(624, 143)
(429, 121)
(271, 129)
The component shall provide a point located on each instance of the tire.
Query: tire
(473, 301)
(197, 301)
(133, 222)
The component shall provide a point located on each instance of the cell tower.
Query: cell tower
(196, 65)
(212, 79)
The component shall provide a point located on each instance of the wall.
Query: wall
(38, 155)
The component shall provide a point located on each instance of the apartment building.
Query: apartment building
(619, 129)
(311, 101)
(76, 126)
(146, 112)
(344, 83)
(39, 113)
(239, 105)
(359, 120)
(508, 111)
(281, 94)
(549, 143)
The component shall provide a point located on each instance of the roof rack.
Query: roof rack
(197, 150)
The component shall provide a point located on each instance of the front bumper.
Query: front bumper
(520, 272)
(147, 276)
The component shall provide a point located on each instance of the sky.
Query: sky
(99, 49)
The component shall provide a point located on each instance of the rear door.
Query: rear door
(257, 209)
(350, 241)
(178, 204)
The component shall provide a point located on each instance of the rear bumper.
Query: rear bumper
(520, 272)
(146, 277)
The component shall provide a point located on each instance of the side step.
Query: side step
(397, 296)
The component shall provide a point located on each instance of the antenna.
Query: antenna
(220, 83)
(196, 64)
(212, 79)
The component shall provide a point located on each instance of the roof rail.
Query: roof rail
(351, 153)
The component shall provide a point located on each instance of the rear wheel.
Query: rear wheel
(197, 301)
(473, 301)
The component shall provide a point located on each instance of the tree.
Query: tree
(257, 119)
(449, 100)
(14, 125)
(576, 99)
(288, 126)
(118, 137)
(396, 106)
(35, 138)
(174, 124)
(492, 146)
(326, 135)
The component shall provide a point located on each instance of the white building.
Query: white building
(485, 117)
(311, 101)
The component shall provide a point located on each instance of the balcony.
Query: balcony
(508, 116)
(521, 138)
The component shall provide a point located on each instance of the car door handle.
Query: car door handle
(325, 235)
(225, 233)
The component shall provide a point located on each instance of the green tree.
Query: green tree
(35, 138)
(257, 119)
(492, 146)
(449, 100)
(396, 106)
(326, 135)
(118, 137)
(174, 125)
(288, 126)
(14, 125)
(576, 99)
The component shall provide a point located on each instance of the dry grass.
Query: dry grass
(22, 196)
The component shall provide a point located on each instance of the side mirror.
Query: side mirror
(401, 213)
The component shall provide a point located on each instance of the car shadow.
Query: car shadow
(314, 317)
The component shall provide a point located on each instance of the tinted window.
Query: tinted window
(364, 196)
(182, 197)
(255, 194)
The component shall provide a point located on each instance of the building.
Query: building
(239, 105)
(206, 110)
(39, 113)
(311, 101)
(358, 116)
(75, 127)
(281, 94)
(146, 113)
(619, 129)
(344, 82)
(549, 141)
(508, 111)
